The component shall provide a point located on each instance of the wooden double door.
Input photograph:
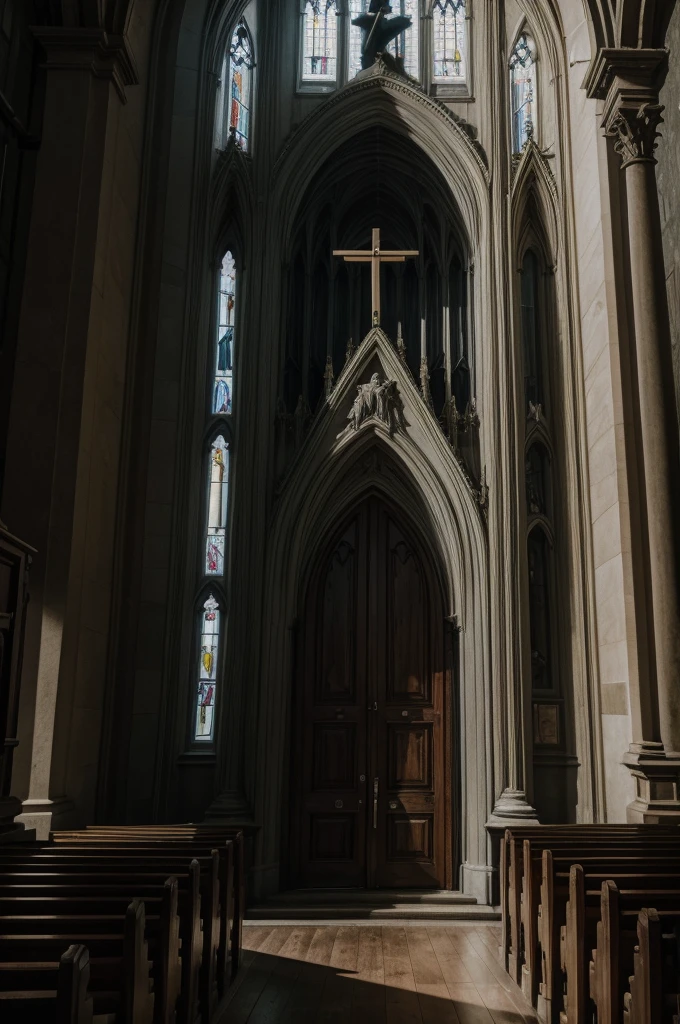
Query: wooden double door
(371, 780)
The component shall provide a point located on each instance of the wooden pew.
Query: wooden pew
(120, 979)
(586, 912)
(563, 837)
(613, 959)
(161, 934)
(139, 869)
(214, 889)
(179, 833)
(230, 844)
(659, 853)
(643, 1003)
(542, 966)
(52, 993)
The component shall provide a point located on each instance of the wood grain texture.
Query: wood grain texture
(373, 974)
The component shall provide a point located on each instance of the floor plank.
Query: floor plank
(373, 974)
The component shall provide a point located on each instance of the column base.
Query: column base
(512, 808)
(45, 815)
(231, 807)
(657, 784)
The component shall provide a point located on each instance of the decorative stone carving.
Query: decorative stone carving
(425, 383)
(634, 130)
(378, 399)
(350, 350)
(328, 377)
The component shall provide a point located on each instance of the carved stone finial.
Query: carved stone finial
(401, 347)
(328, 377)
(535, 412)
(350, 350)
(425, 383)
(378, 399)
(634, 131)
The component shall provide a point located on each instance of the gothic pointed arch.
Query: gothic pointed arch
(409, 461)
(231, 201)
(383, 98)
(534, 205)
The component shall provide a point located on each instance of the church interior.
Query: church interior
(340, 511)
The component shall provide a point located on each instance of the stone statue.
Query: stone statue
(378, 30)
(379, 398)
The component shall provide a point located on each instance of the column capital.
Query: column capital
(94, 50)
(628, 81)
(633, 127)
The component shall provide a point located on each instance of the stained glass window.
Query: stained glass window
(207, 670)
(449, 41)
(404, 46)
(223, 383)
(240, 86)
(522, 91)
(320, 41)
(217, 500)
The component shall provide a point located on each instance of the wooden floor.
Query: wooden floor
(373, 974)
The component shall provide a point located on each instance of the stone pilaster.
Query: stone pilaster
(628, 82)
(51, 431)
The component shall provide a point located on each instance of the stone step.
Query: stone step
(372, 897)
(362, 911)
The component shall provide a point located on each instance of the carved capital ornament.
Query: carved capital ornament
(634, 131)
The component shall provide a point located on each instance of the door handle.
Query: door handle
(375, 802)
(373, 706)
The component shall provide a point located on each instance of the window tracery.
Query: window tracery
(320, 41)
(449, 40)
(523, 91)
(234, 107)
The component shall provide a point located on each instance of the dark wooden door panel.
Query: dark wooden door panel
(369, 709)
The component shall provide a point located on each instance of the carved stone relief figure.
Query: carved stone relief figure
(379, 398)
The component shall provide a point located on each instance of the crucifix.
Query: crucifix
(375, 256)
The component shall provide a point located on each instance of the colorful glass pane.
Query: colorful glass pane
(218, 499)
(404, 46)
(240, 86)
(449, 40)
(320, 41)
(522, 97)
(223, 382)
(207, 670)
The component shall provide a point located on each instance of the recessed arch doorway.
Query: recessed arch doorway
(371, 781)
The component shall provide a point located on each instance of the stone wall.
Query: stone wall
(668, 179)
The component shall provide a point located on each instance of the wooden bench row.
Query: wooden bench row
(184, 890)
(559, 938)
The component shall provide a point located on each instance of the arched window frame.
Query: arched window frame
(524, 115)
(451, 87)
(239, 59)
(325, 81)
(214, 580)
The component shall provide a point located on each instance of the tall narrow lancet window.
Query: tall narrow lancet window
(207, 668)
(449, 41)
(234, 109)
(217, 500)
(320, 41)
(405, 46)
(523, 92)
(223, 385)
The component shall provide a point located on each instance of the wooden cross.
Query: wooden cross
(375, 256)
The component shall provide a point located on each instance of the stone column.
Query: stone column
(631, 117)
(85, 69)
